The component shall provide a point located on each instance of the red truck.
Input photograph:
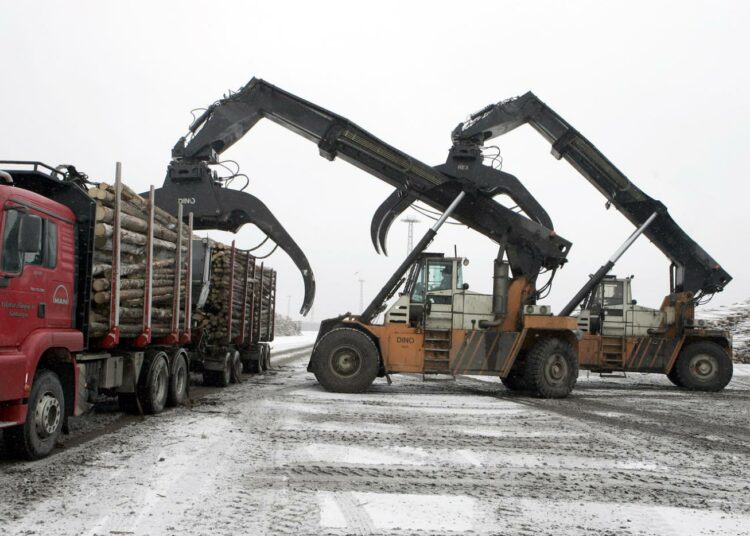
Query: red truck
(53, 361)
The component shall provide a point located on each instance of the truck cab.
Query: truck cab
(37, 307)
(435, 296)
(610, 310)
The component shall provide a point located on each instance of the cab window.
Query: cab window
(610, 294)
(440, 276)
(13, 260)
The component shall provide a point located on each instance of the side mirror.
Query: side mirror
(465, 286)
(633, 302)
(30, 234)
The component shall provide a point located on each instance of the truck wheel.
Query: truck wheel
(153, 384)
(551, 368)
(178, 381)
(218, 378)
(266, 358)
(703, 366)
(345, 360)
(235, 367)
(672, 375)
(36, 437)
(251, 365)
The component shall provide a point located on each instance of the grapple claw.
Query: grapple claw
(214, 207)
(388, 211)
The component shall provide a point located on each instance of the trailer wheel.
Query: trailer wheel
(219, 378)
(251, 362)
(345, 360)
(265, 360)
(672, 375)
(551, 368)
(178, 381)
(235, 367)
(153, 384)
(36, 437)
(703, 366)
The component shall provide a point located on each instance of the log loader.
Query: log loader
(437, 325)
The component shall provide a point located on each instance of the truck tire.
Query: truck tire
(266, 358)
(703, 366)
(345, 360)
(235, 367)
(36, 437)
(551, 368)
(178, 381)
(153, 383)
(219, 378)
(251, 362)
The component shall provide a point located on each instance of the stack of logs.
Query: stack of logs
(213, 319)
(134, 218)
(264, 315)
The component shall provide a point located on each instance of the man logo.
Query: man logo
(60, 296)
(405, 340)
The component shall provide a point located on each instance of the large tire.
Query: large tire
(345, 360)
(36, 437)
(703, 366)
(672, 376)
(235, 367)
(153, 382)
(265, 363)
(219, 378)
(551, 368)
(179, 381)
(514, 381)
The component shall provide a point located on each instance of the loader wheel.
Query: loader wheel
(153, 383)
(345, 360)
(703, 366)
(551, 368)
(36, 437)
(178, 381)
(514, 381)
(672, 375)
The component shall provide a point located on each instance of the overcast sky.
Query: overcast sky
(660, 87)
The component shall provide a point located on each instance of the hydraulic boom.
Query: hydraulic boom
(693, 270)
(530, 242)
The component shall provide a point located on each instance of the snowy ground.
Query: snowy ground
(278, 455)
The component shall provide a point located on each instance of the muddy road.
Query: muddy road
(278, 455)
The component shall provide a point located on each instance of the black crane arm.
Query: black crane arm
(694, 270)
(530, 241)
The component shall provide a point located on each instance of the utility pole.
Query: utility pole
(289, 306)
(411, 220)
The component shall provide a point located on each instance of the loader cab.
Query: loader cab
(611, 311)
(430, 285)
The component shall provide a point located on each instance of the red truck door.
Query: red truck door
(34, 296)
